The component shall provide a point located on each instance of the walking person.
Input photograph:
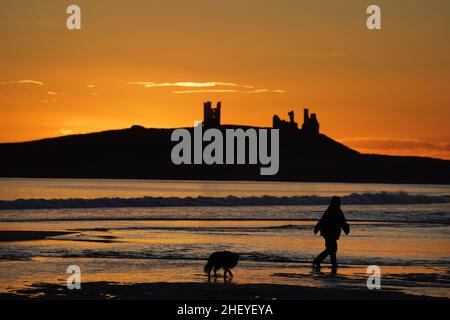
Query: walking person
(330, 226)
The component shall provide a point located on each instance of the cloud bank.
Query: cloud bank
(393, 146)
(397, 144)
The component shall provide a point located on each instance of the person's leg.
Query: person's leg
(331, 245)
(317, 261)
(321, 257)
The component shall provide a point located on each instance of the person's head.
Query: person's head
(335, 202)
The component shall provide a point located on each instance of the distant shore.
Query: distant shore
(200, 291)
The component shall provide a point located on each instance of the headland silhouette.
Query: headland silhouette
(306, 154)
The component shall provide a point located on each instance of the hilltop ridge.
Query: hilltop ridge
(142, 153)
(145, 153)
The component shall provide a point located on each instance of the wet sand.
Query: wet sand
(200, 291)
(120, 262)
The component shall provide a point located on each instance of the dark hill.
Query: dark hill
(145, 153)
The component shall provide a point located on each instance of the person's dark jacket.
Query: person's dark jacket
(331, 223)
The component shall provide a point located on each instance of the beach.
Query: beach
(158, 252)
(186, 291)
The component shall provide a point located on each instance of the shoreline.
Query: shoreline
(201, 291)
(223, 180)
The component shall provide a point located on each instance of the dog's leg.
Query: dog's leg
(215, 271)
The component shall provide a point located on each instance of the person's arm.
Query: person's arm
(346, 228)
(317, 227)
(344, 225)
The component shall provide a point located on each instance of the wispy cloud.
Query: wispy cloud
(313, 54)
(189, 84)
(228, 91)
(266, 91)
(208, 87)
(322, 55)
(52, 93)
(92, 87)
(52, 100)
(66, 132)
(205, 91)
(40, 83)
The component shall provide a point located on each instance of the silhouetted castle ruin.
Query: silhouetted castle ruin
(211, 116)
(310, 123)
(211, 119)
(277, 123)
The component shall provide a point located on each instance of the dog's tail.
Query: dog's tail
(208, 267)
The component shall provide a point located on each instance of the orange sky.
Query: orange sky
(382, 91)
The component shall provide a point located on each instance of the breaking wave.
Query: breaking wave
(230, 201)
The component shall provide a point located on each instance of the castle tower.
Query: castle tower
(211, 115)
(305, 116)
(291, 117)
(310, 123)
(277, 123)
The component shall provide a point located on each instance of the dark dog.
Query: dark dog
(221, 259)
